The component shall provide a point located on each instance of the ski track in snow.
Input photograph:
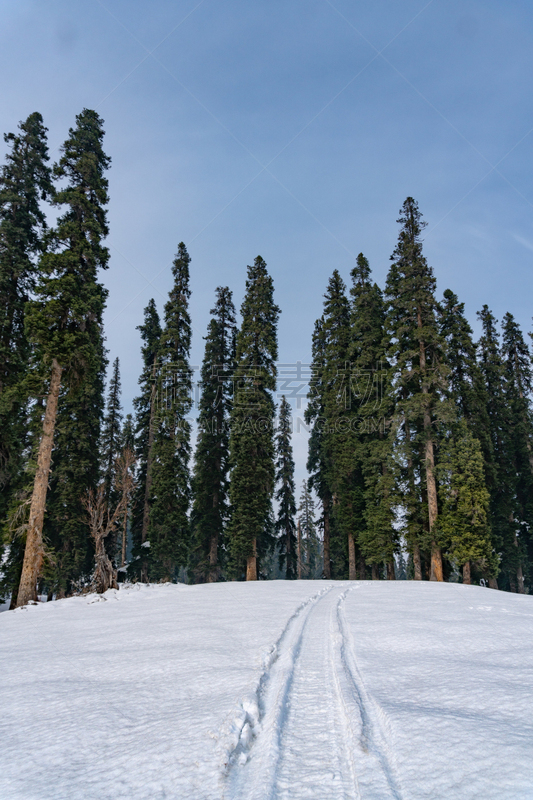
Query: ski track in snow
(312, 727)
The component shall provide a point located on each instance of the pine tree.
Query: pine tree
(518, 379)
(252, 423)
(419, 377)
(110, 442)
(210, 480)
(309, 551)
(503, 488)
(466, 387)
(127, 455)
(145, 409)
(170, 491)
(24, 182)
(372, 430)
(464, 518)
(285, 526)
(65, 320)
(318, 457)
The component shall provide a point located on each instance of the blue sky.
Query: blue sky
(292, 130)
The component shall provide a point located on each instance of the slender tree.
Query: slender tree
(110, 441)
(419, 371)
(170, 490)
(24, 182)
(210, 479)
(310, 557)
(145, 409)
(285, 525)
(252, 423)
(64, 321)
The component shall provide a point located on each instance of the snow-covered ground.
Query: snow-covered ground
(310, 689)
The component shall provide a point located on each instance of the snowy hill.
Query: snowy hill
(269, 690)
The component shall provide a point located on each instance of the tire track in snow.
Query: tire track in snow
(373, 757)
(312, 730)
(248, 720)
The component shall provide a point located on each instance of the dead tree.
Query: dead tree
(102, 522)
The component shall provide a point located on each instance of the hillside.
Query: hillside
(269, 690)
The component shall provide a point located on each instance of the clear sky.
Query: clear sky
(293, 130)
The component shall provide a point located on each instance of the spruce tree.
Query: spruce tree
(170, 491)
(145, 409)
(372, 430)
(465, 501)
(518, 379)
(309, 550)
(285, 526)
(110, 442)
(318, 458)
(64, 321)
(503, 488)
(252, 424)
(24, 182)
(210, 479)
(419, 373)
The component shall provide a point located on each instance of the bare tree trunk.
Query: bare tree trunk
(33, 553)
(417, 562)
(352, 572)
(299, 569)
(520, 579)
(375, 572)
(124, 538)
(436, 573)
(391, 574)
(466, 573)
(327, 558)
(213, 559)
(493, 583)
(251, 564)
(148, 487)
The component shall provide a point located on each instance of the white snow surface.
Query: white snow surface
(308, 689)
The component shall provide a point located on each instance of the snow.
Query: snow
(307, 689)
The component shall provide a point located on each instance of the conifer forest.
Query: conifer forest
(420, 460)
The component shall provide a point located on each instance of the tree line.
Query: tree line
(420, 448)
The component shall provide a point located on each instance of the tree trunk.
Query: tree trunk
(417, 562)
(251, 563)
(299, 567)
(327, 561)
(466, 573)
(352, 572)
(493, 583)
(33, 553)
(148, 487)
(213, 559)
(520, 579)
(375, 572)
(362, 567)
(391, 574)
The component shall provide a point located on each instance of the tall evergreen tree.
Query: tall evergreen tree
(310, 563)
(330, 461)
(24, 181)
(170, 491)
(285, 525)
(110, 443)
(372, 431)
(466, 387)
(518, 379)
(210, 479)
(419, 377)
(464, 516)
(145, 409)
(318, 457)
(65, 320)
(252, 423)
(503, 489)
